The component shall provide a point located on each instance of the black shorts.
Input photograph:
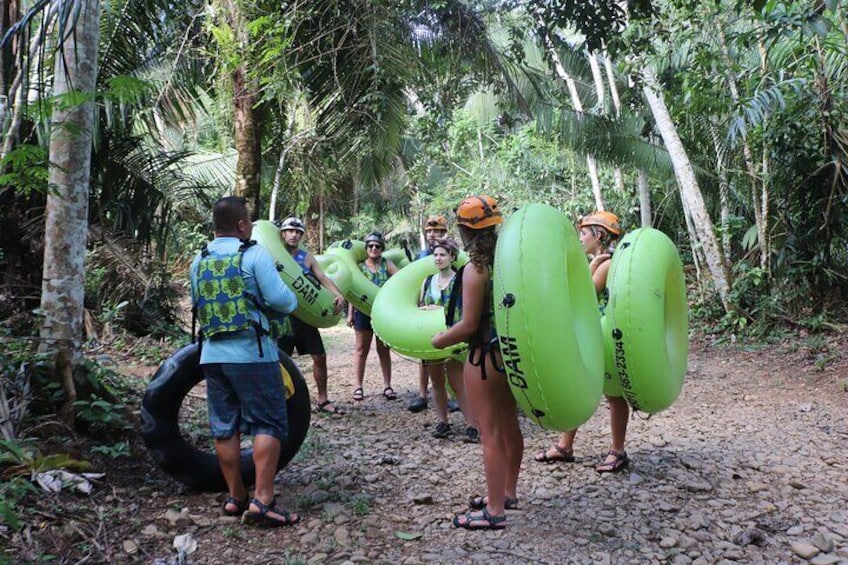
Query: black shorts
(304, 338)
(361, 322)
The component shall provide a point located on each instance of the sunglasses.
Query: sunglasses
(374, 246)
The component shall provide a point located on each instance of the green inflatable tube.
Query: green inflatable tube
(648, 316)
(334, 268)
(611, 385)
(361, 292)
(547, 318)
(315, 304)
(398, 321)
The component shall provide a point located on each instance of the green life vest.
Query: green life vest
(223, 305)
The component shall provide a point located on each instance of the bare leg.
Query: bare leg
(494, 406)
(266, 453)
(619, 414)
(454, 372)
(436, 372)
(422, 381)
(319, 373)
(360, 355)
(563, 450)
(229, 458)
(419, 403)
(385, 362)
(513, 442)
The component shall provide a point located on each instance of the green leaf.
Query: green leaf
(749, 240)
(409, 536)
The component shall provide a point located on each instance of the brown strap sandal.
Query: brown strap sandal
(480, 502)
(262, 519)
(479, 521)
(614, 462)
(566, 456)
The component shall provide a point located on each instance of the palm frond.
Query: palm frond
(617, 142)
(754, 111)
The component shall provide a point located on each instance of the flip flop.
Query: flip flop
(564, 456)
(358, 394)
(389, 393)
(333, 410)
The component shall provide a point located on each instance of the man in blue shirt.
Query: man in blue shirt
(244, 387)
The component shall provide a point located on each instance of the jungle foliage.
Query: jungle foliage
(375, 113)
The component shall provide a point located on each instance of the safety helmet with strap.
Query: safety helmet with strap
(292, 223)
(478, 212)
(604, 219)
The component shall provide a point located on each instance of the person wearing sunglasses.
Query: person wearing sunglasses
(377, 269)
(305, 338)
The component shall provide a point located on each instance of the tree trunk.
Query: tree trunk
(247, 125)
(645, 200)
(723, 189)
(246, 140)
(616, 104)
(66, 226)
(748, 154)
(321, 219)
(278, 176)
(690, 192)
(591, 165)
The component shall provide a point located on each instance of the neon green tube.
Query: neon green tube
(648, 319)
(314, 302)
(547, 318)
(399, 322)
(361, 292)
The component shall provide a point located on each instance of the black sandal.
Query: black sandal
(620, 461)
(359, 394)
(261, 519)
(389, 393)
(241, 506)
(479, 503)
(334, 410)
(566, 456)
(489, 522)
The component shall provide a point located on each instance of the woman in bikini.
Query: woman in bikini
(599, 232)
(486, 385)
(378, 269)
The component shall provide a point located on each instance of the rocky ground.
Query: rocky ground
(750, 465)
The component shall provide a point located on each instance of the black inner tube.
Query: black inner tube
(195, 468)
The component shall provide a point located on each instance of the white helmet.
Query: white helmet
(292, 223)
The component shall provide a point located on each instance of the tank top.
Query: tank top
(381, 276)
(300, 258)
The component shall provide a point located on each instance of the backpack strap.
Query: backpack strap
(454, 296)
(427, 283)
(257, 326)
(204, 252)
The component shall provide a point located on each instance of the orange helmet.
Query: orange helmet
(478, 212)
(606, 220)
(435, 222)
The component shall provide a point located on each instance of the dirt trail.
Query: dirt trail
(748, 466)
